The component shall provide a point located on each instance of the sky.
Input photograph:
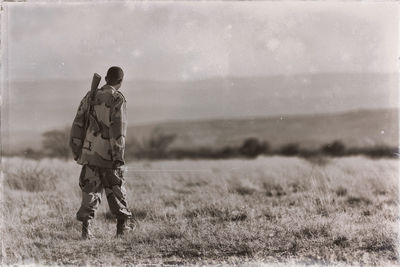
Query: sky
(199, 60)
(185, 41)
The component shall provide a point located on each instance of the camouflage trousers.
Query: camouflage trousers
(92, 181)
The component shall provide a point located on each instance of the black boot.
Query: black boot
(86, 233)
(122, 227)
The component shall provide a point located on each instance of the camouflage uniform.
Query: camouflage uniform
(103, 145)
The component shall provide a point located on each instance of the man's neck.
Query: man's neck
(112, 86)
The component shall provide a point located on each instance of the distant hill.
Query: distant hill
(33, 107)
(355, 128)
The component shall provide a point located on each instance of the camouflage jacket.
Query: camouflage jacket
(104, 141)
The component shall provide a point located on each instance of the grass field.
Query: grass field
(270, 210)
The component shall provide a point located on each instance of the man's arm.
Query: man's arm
(77, 133)
(118, 125)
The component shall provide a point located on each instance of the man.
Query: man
(102, 152)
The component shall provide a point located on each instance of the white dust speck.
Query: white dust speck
(136, 53)
(184, 76)
(346, 57)
(312, 69)
(305, 81)
(195, 68)
(382, 132)
(273, 44)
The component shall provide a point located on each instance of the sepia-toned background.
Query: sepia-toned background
(259, 132)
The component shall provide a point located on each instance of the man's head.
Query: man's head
(114, 77)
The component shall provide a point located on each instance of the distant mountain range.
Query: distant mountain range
(355, 128)
(222, 111)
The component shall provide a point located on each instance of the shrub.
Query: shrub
(289, 150)
(381, 151)
(32, 154)
(336, 148)
(32, 178)
(56, 143)
(155, 147)
(341, 191)
(355, 200)
(227, 152)
(252, 147)
(273, 189)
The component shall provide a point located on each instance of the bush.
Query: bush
(56, 143)
(32, 178)
(31, 154)
(289, 150)
(195, 153)
(227, 152)
(252, 147)
(336, 148)
(381, 152)
(155, 147)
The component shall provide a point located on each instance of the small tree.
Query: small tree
(290, 150)
(32, 154)
(155, 146)
(158, 143)
(336, 148)
(56, 143)
(252, 147)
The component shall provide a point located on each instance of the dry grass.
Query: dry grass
(267, 210)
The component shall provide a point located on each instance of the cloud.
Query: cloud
(199, 40)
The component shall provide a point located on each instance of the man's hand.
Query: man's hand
(117, 164)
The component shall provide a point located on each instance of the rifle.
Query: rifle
(95, 84)
(77, 132)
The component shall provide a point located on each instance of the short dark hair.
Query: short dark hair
(114, 75)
